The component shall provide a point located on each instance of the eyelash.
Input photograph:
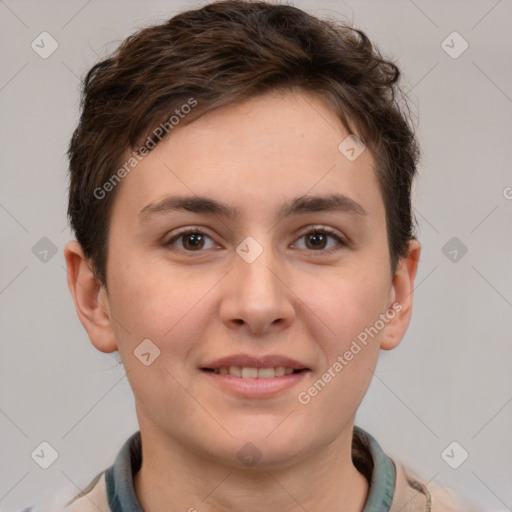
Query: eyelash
(316, 230)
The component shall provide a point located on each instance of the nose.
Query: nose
(256, 298)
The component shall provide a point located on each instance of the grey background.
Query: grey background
(449, 380)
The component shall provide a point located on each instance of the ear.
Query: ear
(401, 296)
(90, 297)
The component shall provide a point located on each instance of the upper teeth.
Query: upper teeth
(254, 373)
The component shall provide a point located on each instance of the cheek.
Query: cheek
(152, 301)
(348, 309)
(167, 311)
(345, 303)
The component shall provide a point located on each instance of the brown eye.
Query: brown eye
(191, 241)
(316, 240)
(319, 240)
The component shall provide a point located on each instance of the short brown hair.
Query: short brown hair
(223, 53)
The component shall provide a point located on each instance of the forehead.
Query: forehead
(256, 153)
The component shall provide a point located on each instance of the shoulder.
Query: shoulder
(91, 499)
(416, 494)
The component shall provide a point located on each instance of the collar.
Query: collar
(368, 457)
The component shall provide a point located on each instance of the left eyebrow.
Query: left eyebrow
(298, 205)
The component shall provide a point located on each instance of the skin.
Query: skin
(295, 299)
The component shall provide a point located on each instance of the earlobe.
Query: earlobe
(90, 298)
(402, 292)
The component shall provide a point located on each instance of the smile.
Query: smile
(253, 373)
(255, 383)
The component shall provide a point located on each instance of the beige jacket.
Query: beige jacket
(413, 496)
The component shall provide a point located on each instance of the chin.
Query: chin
(274, 446)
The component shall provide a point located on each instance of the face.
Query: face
(284, 266)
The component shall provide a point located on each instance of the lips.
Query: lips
(255, 367)
(248, 372)
(256, 377)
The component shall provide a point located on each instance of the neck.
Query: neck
(171, 478)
